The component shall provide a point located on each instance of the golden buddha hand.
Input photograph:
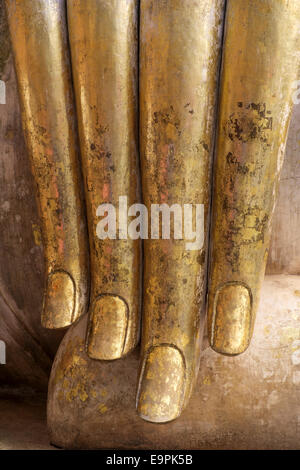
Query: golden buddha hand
(103, 40)
(180, 43)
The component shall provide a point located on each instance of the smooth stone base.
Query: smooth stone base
(243, 402)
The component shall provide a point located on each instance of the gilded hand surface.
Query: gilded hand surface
(178, 82)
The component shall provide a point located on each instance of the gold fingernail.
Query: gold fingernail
(59, 300)
(161, 390)
(232, 319)
(108, 327)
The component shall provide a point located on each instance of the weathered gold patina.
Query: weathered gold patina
(40, 44)
(103, 39)
(179, 59)
(180, 45)
(260, 66)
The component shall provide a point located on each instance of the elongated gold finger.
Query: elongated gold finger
(180, 44)
(103, 38)
(39, 40)
(260, 65)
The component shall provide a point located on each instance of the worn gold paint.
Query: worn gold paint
(102, 408)
(77, 385)
(207, 380)
(39, 40)
(179, 52)
(236, 299)
(162, 385)
(37, 235)
(61, 291)
(71, 375)
(103, 38)
(260, 65)
(107, 328)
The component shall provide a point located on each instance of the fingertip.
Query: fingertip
(59, 300)
(231, 324)
(107, 328)
(162, 385)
